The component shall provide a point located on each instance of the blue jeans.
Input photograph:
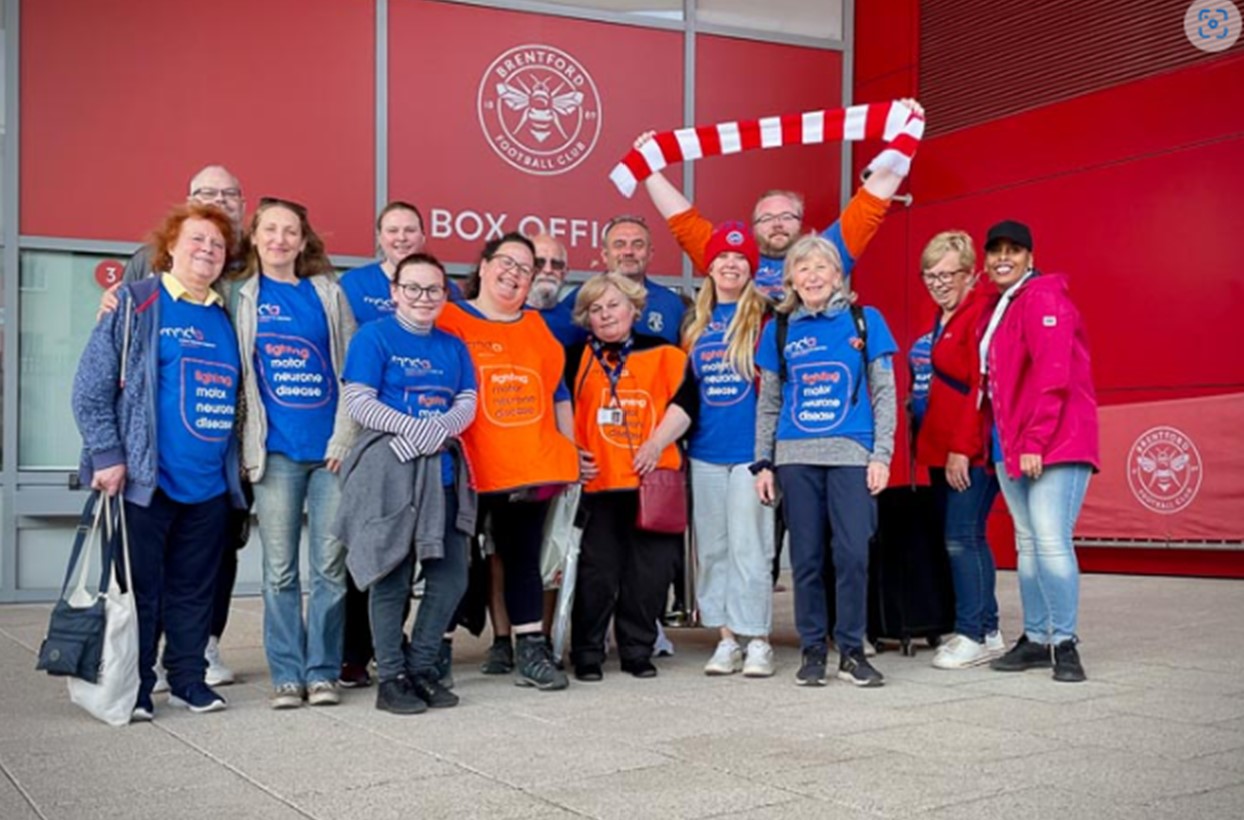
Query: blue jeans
(838, 496)
(971, 563)
(1045, 512)
(445, 583)
(298, 654)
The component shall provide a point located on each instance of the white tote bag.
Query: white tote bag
(111, 698)
(560, 535)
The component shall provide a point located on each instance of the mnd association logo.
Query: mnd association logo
(1164, 470)
(539, 109)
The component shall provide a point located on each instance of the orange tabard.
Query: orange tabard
(514, 441)
(649, 380)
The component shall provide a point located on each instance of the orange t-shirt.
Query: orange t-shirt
(514, 441)
(648, 382)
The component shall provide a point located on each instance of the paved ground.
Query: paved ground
(1157, 732)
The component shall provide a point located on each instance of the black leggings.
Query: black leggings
(517, 529)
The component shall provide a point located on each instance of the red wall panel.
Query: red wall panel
(281, 92)
(886, 40)
(1130, 191)
(743, 79)
(440, 156)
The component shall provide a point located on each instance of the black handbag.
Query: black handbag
(74, 645)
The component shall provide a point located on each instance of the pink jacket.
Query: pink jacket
(1040, 379)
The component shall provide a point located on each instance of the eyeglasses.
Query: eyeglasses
(557, 265)
(942, 277)
(785, 216)
(508, 263)
(296, 207)
(415, 292)
(212, 194)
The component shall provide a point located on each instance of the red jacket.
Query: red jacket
(1040, 379)
(952, 424)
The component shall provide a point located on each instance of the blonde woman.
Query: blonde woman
(733, 530)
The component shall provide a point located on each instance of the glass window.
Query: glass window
(808, 18)
(665, 9)
(59, 296)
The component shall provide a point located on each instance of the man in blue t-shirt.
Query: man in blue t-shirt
(550, 274)
(626, 248)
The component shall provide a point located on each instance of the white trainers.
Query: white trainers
(217, 673)
(727, 660)
(161, 684)
(961, 652)
(995, 644)
(759, 662)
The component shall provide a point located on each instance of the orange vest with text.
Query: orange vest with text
(648, 382)
(514, 441)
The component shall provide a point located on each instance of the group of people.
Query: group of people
(415, 421)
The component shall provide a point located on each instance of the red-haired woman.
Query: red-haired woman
(155, 399)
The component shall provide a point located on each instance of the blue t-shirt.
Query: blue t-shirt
(294, 368)
(725, 427)
(368, 291)
(920, 358)
(768, 276)
(558, 319)
(662, 315)
(196, 398)
(995, 445)
(413, 373)
(822, 369)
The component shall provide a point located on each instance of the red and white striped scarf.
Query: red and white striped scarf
(894, 122)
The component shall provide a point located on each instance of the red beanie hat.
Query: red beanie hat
(732, 236)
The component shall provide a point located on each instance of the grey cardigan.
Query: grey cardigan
(244, 306)
(388, 506)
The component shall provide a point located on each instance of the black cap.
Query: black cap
(1016, 232)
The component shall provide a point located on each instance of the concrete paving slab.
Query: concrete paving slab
(758, 754)
(205, 803)
(1005, 712)
(671, 790)
(463, 796)
(1216, 804)
(892, 784)
(1150, 736)
(13, 803)
(1172, 678)
(1160, 703)
(1039, 685)
(954, 742)
(1038, 803)
(798, 809)
(1119, 777)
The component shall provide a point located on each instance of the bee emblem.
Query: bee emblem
(1164, 470)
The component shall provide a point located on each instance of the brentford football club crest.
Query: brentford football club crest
(539, 109)
(1164, 470)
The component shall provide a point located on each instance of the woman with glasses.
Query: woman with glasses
(945, 369)
(520, 447)
(1041, 414)
(412, 388)
(293, 327)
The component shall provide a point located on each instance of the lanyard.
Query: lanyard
(613, 372)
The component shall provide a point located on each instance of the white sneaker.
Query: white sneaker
(870, 650)
(759, 663)
(960, 652)
(727, 660)
(995, 644)
(217, 673)
(161, 684)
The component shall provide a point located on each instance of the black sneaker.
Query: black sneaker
(535, 665)
(430, 691)
(641, 668)
(144, 709)
(500, 658)
(353, 676)
(398, 696)
(198, 698)
(812, 669)
(1025, 654)
(589, 672)
(854, 668)
(445, 664)
(1067, 667)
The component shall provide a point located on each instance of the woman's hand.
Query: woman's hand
(643, 139)
(332, 464)
(1030, 465)
(878, 477)
(587, 466)
(766, 489)
(108, 302)
(957, 466)
(913, 105)
(110, 480)
(646, 457)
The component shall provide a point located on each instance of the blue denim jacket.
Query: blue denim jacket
(115, 410)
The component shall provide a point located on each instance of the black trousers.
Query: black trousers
(624, 574)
